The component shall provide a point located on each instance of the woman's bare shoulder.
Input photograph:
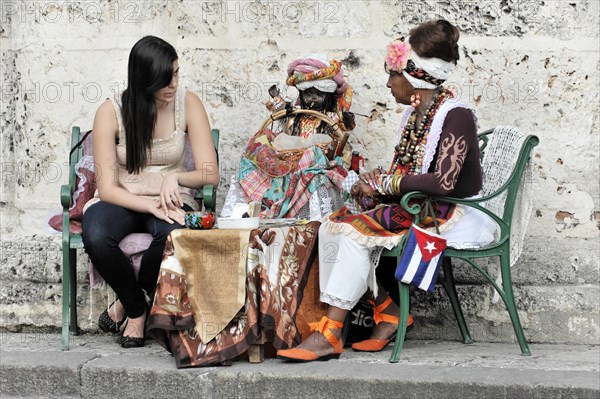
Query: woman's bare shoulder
(192, 99)
(106, 119)
(194, 109)
(106, 109)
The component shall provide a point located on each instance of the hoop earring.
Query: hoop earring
(415, 100)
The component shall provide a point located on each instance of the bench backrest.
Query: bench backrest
(508, 172)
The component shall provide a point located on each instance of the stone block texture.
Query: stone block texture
(531, 64)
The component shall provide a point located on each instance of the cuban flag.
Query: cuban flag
(421, 258)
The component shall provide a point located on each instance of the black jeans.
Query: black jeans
(104, 226)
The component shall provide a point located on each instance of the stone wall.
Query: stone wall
(531, 64)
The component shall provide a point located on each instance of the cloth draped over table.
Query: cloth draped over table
(214, 262)
(276, 275)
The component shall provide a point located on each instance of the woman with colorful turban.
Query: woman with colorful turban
(309, 187)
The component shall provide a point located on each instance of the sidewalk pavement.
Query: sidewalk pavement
(33, 365)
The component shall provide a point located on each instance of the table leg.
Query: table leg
(256, 353)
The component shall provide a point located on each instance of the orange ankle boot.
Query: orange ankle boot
(324, 327)
(375, 345)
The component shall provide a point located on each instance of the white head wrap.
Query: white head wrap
(436, 67)
(324, 85)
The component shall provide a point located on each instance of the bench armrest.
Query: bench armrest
(414, 209)
(65, 196)
(475, 203)
(207, 194)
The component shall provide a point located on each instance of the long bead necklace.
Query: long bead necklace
(408, 157)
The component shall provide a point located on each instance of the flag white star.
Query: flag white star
(430, 246)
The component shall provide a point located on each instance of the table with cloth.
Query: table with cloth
(219, 291)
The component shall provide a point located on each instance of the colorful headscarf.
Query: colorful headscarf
(315, 71)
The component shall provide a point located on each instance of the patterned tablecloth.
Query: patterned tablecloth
(215, 295)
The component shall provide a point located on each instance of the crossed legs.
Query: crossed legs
(104, 226)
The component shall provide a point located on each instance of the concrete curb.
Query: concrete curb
(96, 367)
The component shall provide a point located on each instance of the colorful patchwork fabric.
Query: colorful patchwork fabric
(254, 181)
(388, 220)
(285, 186)
(305, 182)
(261, 153)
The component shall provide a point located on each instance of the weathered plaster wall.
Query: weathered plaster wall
(529, 63)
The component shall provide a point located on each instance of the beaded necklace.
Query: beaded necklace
(408, 157)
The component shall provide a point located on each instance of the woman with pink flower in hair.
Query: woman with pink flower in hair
(436, 153)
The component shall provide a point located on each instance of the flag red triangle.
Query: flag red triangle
(429, 244)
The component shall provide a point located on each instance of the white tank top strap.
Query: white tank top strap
(121, 132)
(180, 124)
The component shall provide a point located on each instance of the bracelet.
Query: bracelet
(387, 181)
(395, 185)
(379, 184)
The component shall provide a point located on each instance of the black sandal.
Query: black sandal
(132, 342)
(106, 324)
(135, 342)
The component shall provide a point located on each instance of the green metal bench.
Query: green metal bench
(72, 242)
(512, 145)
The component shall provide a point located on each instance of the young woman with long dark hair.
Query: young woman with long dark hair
(142, 184)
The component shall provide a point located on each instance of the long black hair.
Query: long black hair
(150, 69)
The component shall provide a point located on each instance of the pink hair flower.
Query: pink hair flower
(397, 55)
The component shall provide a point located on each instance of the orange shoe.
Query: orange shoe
(375, 345)
(324, 327)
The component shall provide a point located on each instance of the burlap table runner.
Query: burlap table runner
(214, 262)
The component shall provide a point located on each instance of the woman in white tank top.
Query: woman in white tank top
(142, 184)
